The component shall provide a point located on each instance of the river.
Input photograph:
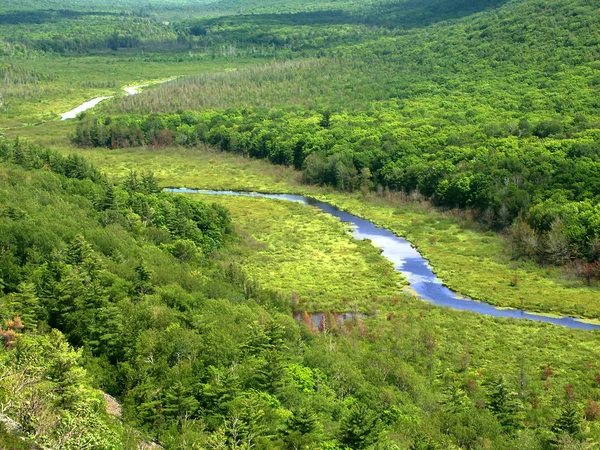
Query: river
(408, 261)
(130, 90)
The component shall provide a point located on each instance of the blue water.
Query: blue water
(409, 262)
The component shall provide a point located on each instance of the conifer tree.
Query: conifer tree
(569, 421)
(503, 403)
(360, 428)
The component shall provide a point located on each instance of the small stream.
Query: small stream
(407, 260)
(130, 90)
(83, 107)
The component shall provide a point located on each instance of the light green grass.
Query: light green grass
(309, 255)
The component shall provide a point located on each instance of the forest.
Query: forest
(131, 317)
(141, 282)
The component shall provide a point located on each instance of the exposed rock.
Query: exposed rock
(10, 425)
(148, 446)
(112, 405)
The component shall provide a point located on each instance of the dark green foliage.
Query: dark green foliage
(302, 429)
(198, 353)
(360, 427)
(569, 421)
(504, 404)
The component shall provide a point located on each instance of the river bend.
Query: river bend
(408, 261)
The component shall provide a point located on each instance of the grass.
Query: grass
(309, 255)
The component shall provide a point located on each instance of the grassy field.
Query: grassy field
(308, 255)
(469, 261)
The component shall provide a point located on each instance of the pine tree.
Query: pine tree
(78, 251)
(301, 429)
(179, 402)
(143, 285)
(107, 199)
(360, 428)
(303, 420)
(504, 404)
(457, 399)
(149, 184)
(569, 421)
(131, 183)
(26, 304)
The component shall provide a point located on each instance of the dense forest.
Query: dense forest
(135, 318)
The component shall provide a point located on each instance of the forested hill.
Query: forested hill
(421, 11)
(130, 24)
(398, 13)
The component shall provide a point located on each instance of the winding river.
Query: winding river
(130, 90)
(407, 260)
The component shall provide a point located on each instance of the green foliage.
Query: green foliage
(199, 355)
(360, 428)
(569, 421)
(504, 404)
(48, 394)
(360, 164)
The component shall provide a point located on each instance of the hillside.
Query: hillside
(199, 353)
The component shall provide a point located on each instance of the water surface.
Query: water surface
(130, 90)
(83, 107)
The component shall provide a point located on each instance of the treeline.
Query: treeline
(291, 30)
(551, 183)
(82, 33)
(199, 355)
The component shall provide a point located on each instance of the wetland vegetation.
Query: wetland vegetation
(469, 129)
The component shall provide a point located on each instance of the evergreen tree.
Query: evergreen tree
(27, 305)
(569, 421)
(149, 184)
(456, 400)
(143, 284)
(180, 403)
(131, 183)
(504, 404)
(107, 199)
(360, 427)
(301, 429)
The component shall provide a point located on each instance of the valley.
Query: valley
(461, 140)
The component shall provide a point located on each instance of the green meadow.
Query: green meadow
(309, 256)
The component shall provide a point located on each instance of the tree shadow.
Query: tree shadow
(46, 16)
(395, 14)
